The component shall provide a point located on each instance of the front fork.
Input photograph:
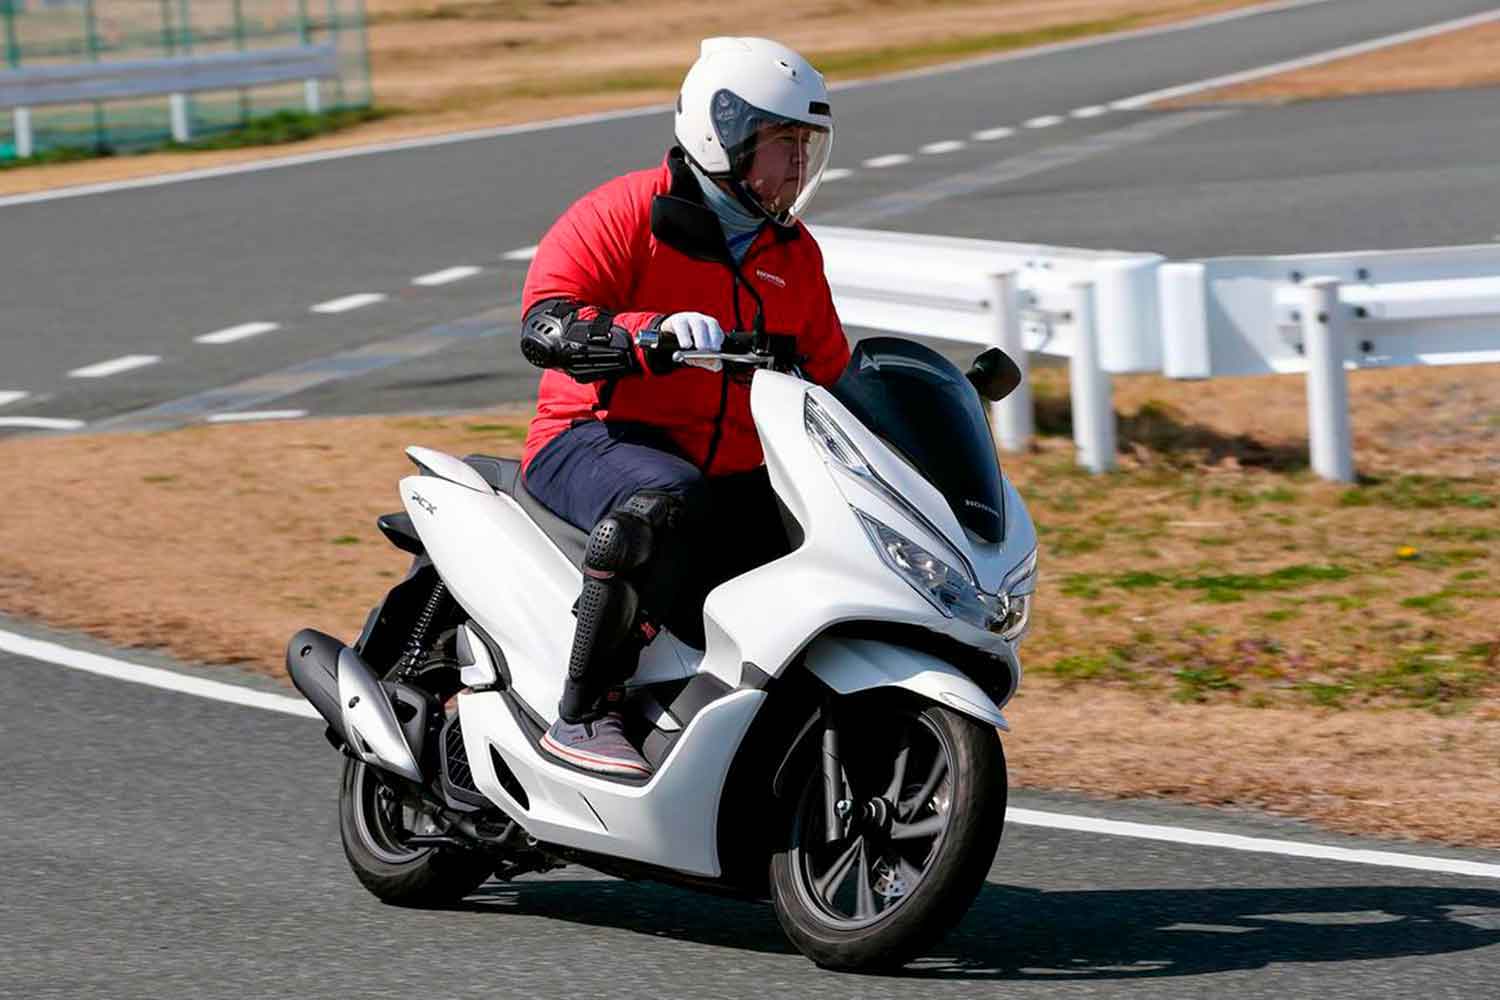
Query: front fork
(836, 803)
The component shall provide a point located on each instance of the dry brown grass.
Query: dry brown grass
(1328, 698)
(457, 65)
(1468, 58)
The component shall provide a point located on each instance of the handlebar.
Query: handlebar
(741, 347)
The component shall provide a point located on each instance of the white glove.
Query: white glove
(695, 331)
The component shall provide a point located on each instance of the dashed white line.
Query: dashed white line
(12, 396)
(525, 253)
(446, 276)
(837, 174)
(357, 301)
(230, 334)
(1045, 121)
(1092, 111)
(250, 416)
(114, 366)
(946, 146)
(991, 134)
(42, 423)
(889, 160)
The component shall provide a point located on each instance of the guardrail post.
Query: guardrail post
(312, 96)
(1093, 395)
(1324, 339)
(182, 129)
(22, 127)
(1012, 416)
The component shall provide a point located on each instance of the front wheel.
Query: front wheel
(374, 824)
(924, 800)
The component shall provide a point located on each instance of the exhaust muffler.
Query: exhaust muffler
(356, 706)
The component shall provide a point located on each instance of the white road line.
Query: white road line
(230, 334)
(114, 366)
(837, 174)
(357, 301)
(444, 277)
(889, 160)
(1045, 121)
(1259, 845)
(42, 423)
(248, 416)
(991, 134)
(94, 663)
(12, 396)
(51, 652)
(1317, 58)
(525, 253)
(1092, 111)
(946, 146)
(472, 135)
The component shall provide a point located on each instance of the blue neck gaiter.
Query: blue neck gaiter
(740, 226)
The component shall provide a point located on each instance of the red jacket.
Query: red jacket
(606, 252)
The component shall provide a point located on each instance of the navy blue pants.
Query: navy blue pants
(729, 524)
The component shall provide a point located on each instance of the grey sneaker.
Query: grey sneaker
(596, 746)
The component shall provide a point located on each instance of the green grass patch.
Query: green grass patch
(1286, 578)
(346, 540)
(1418, 493)
(65, 154)
(1198, 684)
(1113, 665)
(284, 127)
(266, 130)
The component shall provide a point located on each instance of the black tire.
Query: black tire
(432, 877)
(952, 870)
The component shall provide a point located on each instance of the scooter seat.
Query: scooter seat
(504, 476)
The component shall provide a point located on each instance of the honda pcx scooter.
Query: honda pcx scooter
(834, 748)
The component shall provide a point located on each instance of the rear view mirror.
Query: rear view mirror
(994, 374)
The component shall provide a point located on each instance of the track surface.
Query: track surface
(143, 272)
(159, 845)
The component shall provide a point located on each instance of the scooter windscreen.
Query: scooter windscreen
(921, 405)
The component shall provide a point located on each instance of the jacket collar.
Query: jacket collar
(681, 220)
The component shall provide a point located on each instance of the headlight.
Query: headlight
(948, 589)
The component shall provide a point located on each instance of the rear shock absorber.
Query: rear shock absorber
(421, 631)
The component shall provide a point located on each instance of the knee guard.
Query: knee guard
(609, 603)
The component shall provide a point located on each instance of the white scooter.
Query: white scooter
(835, 746)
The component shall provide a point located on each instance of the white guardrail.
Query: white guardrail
(76, 83)
(1114, 312)
(1096, 308)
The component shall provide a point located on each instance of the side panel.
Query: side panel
(671, 820)
(852, 665)
(505, 573)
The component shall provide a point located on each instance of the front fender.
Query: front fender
(849, 666)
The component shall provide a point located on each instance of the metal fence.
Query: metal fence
(39, 33)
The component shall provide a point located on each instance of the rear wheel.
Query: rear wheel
(376, 820)
(374, 824)
(925, 793)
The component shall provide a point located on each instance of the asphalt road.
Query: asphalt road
(144, 271)
(160, 845)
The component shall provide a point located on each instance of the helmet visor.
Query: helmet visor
(777, 162)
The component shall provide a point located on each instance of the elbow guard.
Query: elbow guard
(555, 335)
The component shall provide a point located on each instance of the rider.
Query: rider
(660, 463)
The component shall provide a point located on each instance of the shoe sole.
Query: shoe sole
(592, 762)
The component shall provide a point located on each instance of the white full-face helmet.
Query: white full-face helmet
(754, 113)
